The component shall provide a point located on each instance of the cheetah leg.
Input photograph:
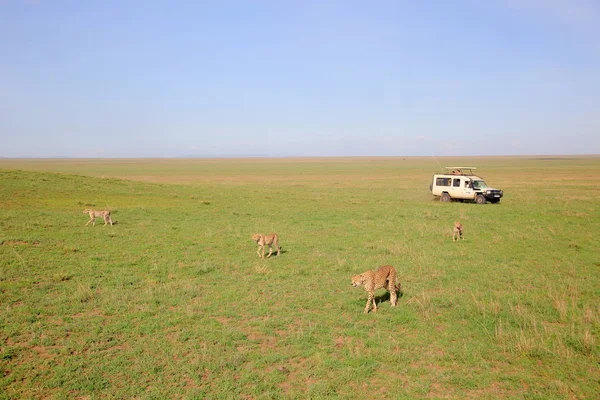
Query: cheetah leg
(258, 251)
(270, 251)
(370, 299)
(392, 289)
(374, 302)
(394, 296)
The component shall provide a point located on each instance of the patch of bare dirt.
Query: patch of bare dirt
(293, 369)
(96, 312)
(18, 242)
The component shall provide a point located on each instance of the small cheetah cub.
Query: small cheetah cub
(458, 231)
(383, 278)
(266, 240)
(105, 215)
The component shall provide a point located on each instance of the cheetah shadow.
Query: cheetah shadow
(274, 254)
(281, 251)
(386, 296)
(102, 224)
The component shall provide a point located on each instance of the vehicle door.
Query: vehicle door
(461, 188)
(468, 191)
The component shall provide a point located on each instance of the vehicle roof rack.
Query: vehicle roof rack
(465, 171)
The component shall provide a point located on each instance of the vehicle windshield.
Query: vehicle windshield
(479, 185)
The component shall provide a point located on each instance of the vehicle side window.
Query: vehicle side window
(456, 182)
(442, 181)
(466, 184)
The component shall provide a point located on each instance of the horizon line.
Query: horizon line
(284, 157)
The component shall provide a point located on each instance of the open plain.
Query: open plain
(173, 301)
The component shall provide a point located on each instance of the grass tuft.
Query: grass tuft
(84, 293)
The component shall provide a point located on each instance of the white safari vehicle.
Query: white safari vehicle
(460, 183)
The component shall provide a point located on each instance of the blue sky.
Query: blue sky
(299, 78)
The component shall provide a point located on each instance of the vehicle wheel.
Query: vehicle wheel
(445, 198)
(480, 199)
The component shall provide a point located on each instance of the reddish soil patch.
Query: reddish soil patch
(18, 242)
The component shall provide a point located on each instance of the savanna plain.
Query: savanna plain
(174, 302)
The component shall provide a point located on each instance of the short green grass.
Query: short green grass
(173, 301)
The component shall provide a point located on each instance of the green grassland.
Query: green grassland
(173, 301)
